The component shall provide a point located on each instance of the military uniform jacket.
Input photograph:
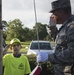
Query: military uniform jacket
(64, 50)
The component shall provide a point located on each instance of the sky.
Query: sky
(24, 10)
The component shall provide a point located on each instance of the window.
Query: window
(43, 45)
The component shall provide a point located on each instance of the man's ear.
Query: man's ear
(61, 12)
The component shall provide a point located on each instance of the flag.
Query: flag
(37, 70)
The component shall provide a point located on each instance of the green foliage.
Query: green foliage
(47, 67)
(48, 38)
(41, 30)
(15, 29)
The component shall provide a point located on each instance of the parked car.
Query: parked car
(44, 46)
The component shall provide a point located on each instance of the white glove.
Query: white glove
(42, 57)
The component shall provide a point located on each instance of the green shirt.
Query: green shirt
(16, 66)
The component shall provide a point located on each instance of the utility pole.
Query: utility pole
(1, 37)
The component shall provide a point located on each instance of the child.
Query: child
(15, 63)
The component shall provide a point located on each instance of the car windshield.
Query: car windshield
(44, 46)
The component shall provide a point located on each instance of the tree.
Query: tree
(14, 29)
(41, 31)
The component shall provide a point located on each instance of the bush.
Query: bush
(47, 68)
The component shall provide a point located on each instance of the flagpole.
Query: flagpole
(36, 24)
(37, 70)
(1, 37)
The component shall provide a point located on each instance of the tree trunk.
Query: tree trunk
(1, 38)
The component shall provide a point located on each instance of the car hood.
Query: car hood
(35, 51)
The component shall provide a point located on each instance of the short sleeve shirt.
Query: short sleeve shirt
(16, 66)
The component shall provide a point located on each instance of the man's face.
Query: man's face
(57, 16)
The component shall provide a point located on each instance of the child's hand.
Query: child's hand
(5, 49)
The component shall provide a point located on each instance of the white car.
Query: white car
(44, 46)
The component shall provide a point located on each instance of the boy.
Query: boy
(15, 63)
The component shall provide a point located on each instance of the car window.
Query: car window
(34, 46)
(44, 46)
